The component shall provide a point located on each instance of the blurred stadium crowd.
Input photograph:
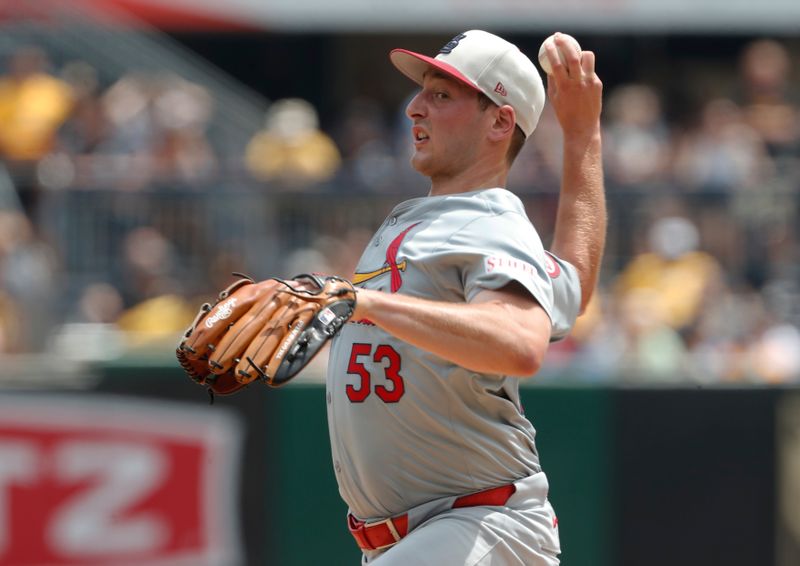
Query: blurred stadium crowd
(702, 277)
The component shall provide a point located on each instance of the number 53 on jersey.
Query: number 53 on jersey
(378, 369)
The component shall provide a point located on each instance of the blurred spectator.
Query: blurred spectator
(291, 149)
(627, 339)
(723, 154)
(775, 355)
(33, 105)
(679, 276)
(27, 282)
(741, 337)
(765, 71)
(583, 352)
(9, 199)
(649, 347)
(537, 168)
(109, 139)
(150, 266)
(161, 318)
(723, 333)
(637, 143)
(11, 340)
(90, 332)
(333, 255)
(369, 159)
(145, 130)
(152, 289)
(100, 303)
(346, 253)
(182, 111)
(307, 260)
(87, 125)
(80, 135)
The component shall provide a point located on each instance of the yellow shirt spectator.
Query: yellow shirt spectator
(291, 148)
(32, 108)
(678, 274)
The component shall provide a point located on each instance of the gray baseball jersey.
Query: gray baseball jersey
(407, 426)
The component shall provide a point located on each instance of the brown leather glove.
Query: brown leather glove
(267, 330)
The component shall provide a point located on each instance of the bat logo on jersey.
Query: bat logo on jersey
(390, 266)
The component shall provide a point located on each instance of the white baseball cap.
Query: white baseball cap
(489, 64)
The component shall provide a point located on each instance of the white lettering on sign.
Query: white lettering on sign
(92, 521)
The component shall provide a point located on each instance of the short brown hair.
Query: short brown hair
(517, 140)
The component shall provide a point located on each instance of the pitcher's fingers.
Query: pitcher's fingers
(552, 89)
(587, 62)
(559, 70)
(573, 57)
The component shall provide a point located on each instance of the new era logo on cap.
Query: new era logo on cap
(487, 63)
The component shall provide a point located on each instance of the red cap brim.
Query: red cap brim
(414, 65)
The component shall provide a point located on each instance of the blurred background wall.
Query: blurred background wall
(148, 148)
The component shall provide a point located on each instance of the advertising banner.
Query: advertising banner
(107, 480)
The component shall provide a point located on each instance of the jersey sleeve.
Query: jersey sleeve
(566, 294)
(491, 252)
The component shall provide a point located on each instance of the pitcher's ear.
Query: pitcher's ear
(505, 120)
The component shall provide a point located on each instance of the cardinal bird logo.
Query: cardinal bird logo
(391, 265)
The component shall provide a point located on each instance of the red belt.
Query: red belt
(383, 534)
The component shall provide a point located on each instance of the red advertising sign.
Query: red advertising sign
(109, 481)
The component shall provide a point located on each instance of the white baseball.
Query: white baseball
(572, 44)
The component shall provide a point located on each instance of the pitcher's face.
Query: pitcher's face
(448, 126)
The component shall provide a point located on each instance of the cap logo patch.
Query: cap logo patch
(501, 90)
(450, 45)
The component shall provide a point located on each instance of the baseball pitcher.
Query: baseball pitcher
(457, 301)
